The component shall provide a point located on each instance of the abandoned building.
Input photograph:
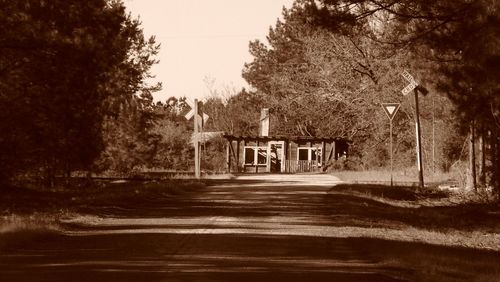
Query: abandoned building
(281, 154)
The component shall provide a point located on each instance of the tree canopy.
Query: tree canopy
(454, 44)
(341, 59)
(63, 66)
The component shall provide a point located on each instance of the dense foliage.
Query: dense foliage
(64, 67)
(455, 43)
(329, 64)
(319, 82)
(74, 94)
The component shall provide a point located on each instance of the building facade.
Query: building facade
(282, 154)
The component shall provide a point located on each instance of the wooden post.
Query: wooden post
(309, 157)
(333, 151)
(268, 157)
(243, 167)
(285, 155)
(228, 155)
(256, 162)
(197, 167)
(323, 149)
(238, 155)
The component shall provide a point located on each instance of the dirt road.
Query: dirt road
(286, 228)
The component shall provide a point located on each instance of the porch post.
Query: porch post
(237, 155)
(228, 155)
(257, 160)
(334, 150)
(323, 149)
(268, 157)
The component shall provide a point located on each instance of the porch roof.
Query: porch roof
(231, 137)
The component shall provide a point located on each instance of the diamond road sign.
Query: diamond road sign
(390, 109)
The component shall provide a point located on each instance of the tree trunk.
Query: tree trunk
(482, 158)
(495, 157)
(50, 175)
(472, 160)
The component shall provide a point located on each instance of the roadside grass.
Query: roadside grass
(379, 205)
(42, 210)
(22, 200)
(399, 176)
(403, 213)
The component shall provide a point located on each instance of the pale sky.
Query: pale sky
(204, 38)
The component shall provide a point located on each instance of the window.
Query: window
(255, 155)
(309, 154)
(262, 156)
(303, 154)
(249, 156)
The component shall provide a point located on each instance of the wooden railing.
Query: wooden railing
(294, 166)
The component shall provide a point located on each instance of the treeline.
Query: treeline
(70, 72)
(328, 65)
(75, 98)
(74, 95)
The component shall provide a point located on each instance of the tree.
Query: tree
(233, 113)
(58, 69)
(318, 83)
(173, 147)
(458, 40)
(130, 115)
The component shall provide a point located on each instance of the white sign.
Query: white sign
(204, 137)
(409, 88)
(408, 76)
(390, 109)
(190, 114)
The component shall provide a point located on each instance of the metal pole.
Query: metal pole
(419, 145)
(196, 118)
(390, 132)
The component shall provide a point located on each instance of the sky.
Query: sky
(204, 40)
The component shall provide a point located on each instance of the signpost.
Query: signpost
(413, 85)
(199, 118)
(390, 110)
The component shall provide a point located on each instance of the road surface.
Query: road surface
(272, 228)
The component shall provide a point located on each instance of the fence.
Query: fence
(295, 166)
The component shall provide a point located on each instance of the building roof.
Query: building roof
(284, 138)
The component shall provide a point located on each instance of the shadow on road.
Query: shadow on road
(237, 230)
(215, 257)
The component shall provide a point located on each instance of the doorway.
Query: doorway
(276, 156)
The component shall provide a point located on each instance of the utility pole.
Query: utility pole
(419, 143)
(199, 118)
(413, 85)
(197, 122)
